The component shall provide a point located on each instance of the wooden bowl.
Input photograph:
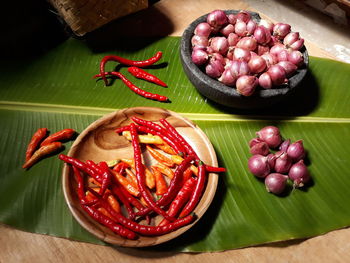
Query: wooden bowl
(228, 96)
(100, 142)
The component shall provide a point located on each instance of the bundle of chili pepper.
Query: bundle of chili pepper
(41, 145)
(136, 71)
(178, 178)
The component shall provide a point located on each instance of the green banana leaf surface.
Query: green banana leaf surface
(56, 90)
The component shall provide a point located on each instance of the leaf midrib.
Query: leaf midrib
(98, 111)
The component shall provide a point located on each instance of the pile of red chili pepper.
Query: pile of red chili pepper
(169, 190)
(135, 69)
(41, 145)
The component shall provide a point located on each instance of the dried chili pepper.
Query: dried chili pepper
(134, 88)
(160, 157)
(62, 135)
(37, 137)
(197, 191)
(104, 220)
(141, 74)
(41, 153)
(143, 229)
(180, 200)
(127, 62)
(140, 175)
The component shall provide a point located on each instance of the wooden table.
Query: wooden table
(19, 246)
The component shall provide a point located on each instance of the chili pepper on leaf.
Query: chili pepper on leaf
(61, 135)
(42, 152)
(141, 74)
(37, 137)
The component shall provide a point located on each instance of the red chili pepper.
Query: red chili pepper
(171, 129)
(106, 177)
(180, 200)
(197, 192)
(82, 166)
(134, 88)
(140, 174)
(80, 185)
(212, 169)
(143, 229)
(104, 220)
(41, 153)
(116, 189)
(61, 135)
(128, 62)
(37, 137)
(141, 74)
(173, 188)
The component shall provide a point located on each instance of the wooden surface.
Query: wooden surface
(19, 246)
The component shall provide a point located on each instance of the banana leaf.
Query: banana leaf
(56, 90)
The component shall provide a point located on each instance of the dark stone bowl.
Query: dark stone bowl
(228, 96)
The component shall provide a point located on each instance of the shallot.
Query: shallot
(299, 174)
(276, 183)
(258, 165)
(246, 85)
(271, 135)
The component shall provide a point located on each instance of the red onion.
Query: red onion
(267, 24)
(262, 49)
(199, 41)
(228, 29)
(199, 57)
(217, 18)
(209, 50)
(277, 48)
(271, 159)
(219, 44)
(296, 57)
(241, 28)
(241, 54)
(284, 145)
(202, 29)
(243, 16)
(270, 59)
(289, 67)
(254, 141)
(277, 74)
(251, 26)
(217, 56)
(299, 174)
(214, 69)
(248, 43)
(260, 148)
(257, 64)
(297, 44)
(283, 55)
(262, 35)
(246, 85)
(258, 165)
(280, 30)
(252, 54)
(227, 78)
(282, 162)
(232, 39)
(291, 38)
(232, 19)
(276, 183)
(239, 68)
(265, 81)
(296, 151)
(271, 135)
(200, 48)
(273, 41)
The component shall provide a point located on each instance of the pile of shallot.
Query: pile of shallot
(287, 162)
(245, 54)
